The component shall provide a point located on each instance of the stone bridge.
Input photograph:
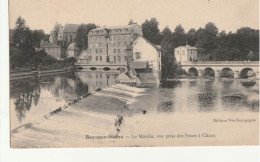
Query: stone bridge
(238, 69)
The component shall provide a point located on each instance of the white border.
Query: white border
(181, 154)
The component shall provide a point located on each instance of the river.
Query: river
(32, 98)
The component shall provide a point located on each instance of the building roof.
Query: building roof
(71, 28)
(49, 45)
(187, 47)
(56, 27)
(83, 55)
(73, 47)
(157, 47)
(116, 27)
(140, 64)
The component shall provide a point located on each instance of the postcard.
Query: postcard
(129, 73)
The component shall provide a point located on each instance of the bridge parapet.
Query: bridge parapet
(220, 63)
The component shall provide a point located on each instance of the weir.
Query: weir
(109, 101)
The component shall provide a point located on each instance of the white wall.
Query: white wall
(148, 53)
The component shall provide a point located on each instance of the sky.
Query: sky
(228, 15)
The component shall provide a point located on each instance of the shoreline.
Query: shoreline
(31, 74)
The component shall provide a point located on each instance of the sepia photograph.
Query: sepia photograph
(133, 73)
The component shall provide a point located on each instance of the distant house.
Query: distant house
(52, 49)
(186, 53)
(73, 50)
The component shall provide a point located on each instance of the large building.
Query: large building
(186, 53)
(121, 47)
(63, 35)
(108, 46)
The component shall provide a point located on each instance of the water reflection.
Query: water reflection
(27, 92)
(49, 92)
(31, 98)
(207, 96)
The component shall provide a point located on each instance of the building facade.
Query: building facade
(54, 34)
(186, 53)
(63, 35)
(145, 51)
(73, 50)
(108, 46)
(52, 49)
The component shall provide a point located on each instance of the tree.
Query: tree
(151, 31)
(130, 22)
(169, 66)
(22, 34)
(82, 35)
(191, 37)
(179, 36)
(46, 37)
(37, 36)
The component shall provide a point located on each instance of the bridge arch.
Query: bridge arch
(247, 72)
(226, 73)
(208, 72)
(193, 71)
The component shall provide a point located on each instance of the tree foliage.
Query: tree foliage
(82, 35)
(151, 31)
(24, 46)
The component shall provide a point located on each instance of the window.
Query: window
(96, 58)
(114, 50)
(96, 50)
(107, 59)
(119, 58)
(100, 58)
(118, 50)
(114, 59)
(138, 55)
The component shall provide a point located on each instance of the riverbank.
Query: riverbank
(36, 73)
